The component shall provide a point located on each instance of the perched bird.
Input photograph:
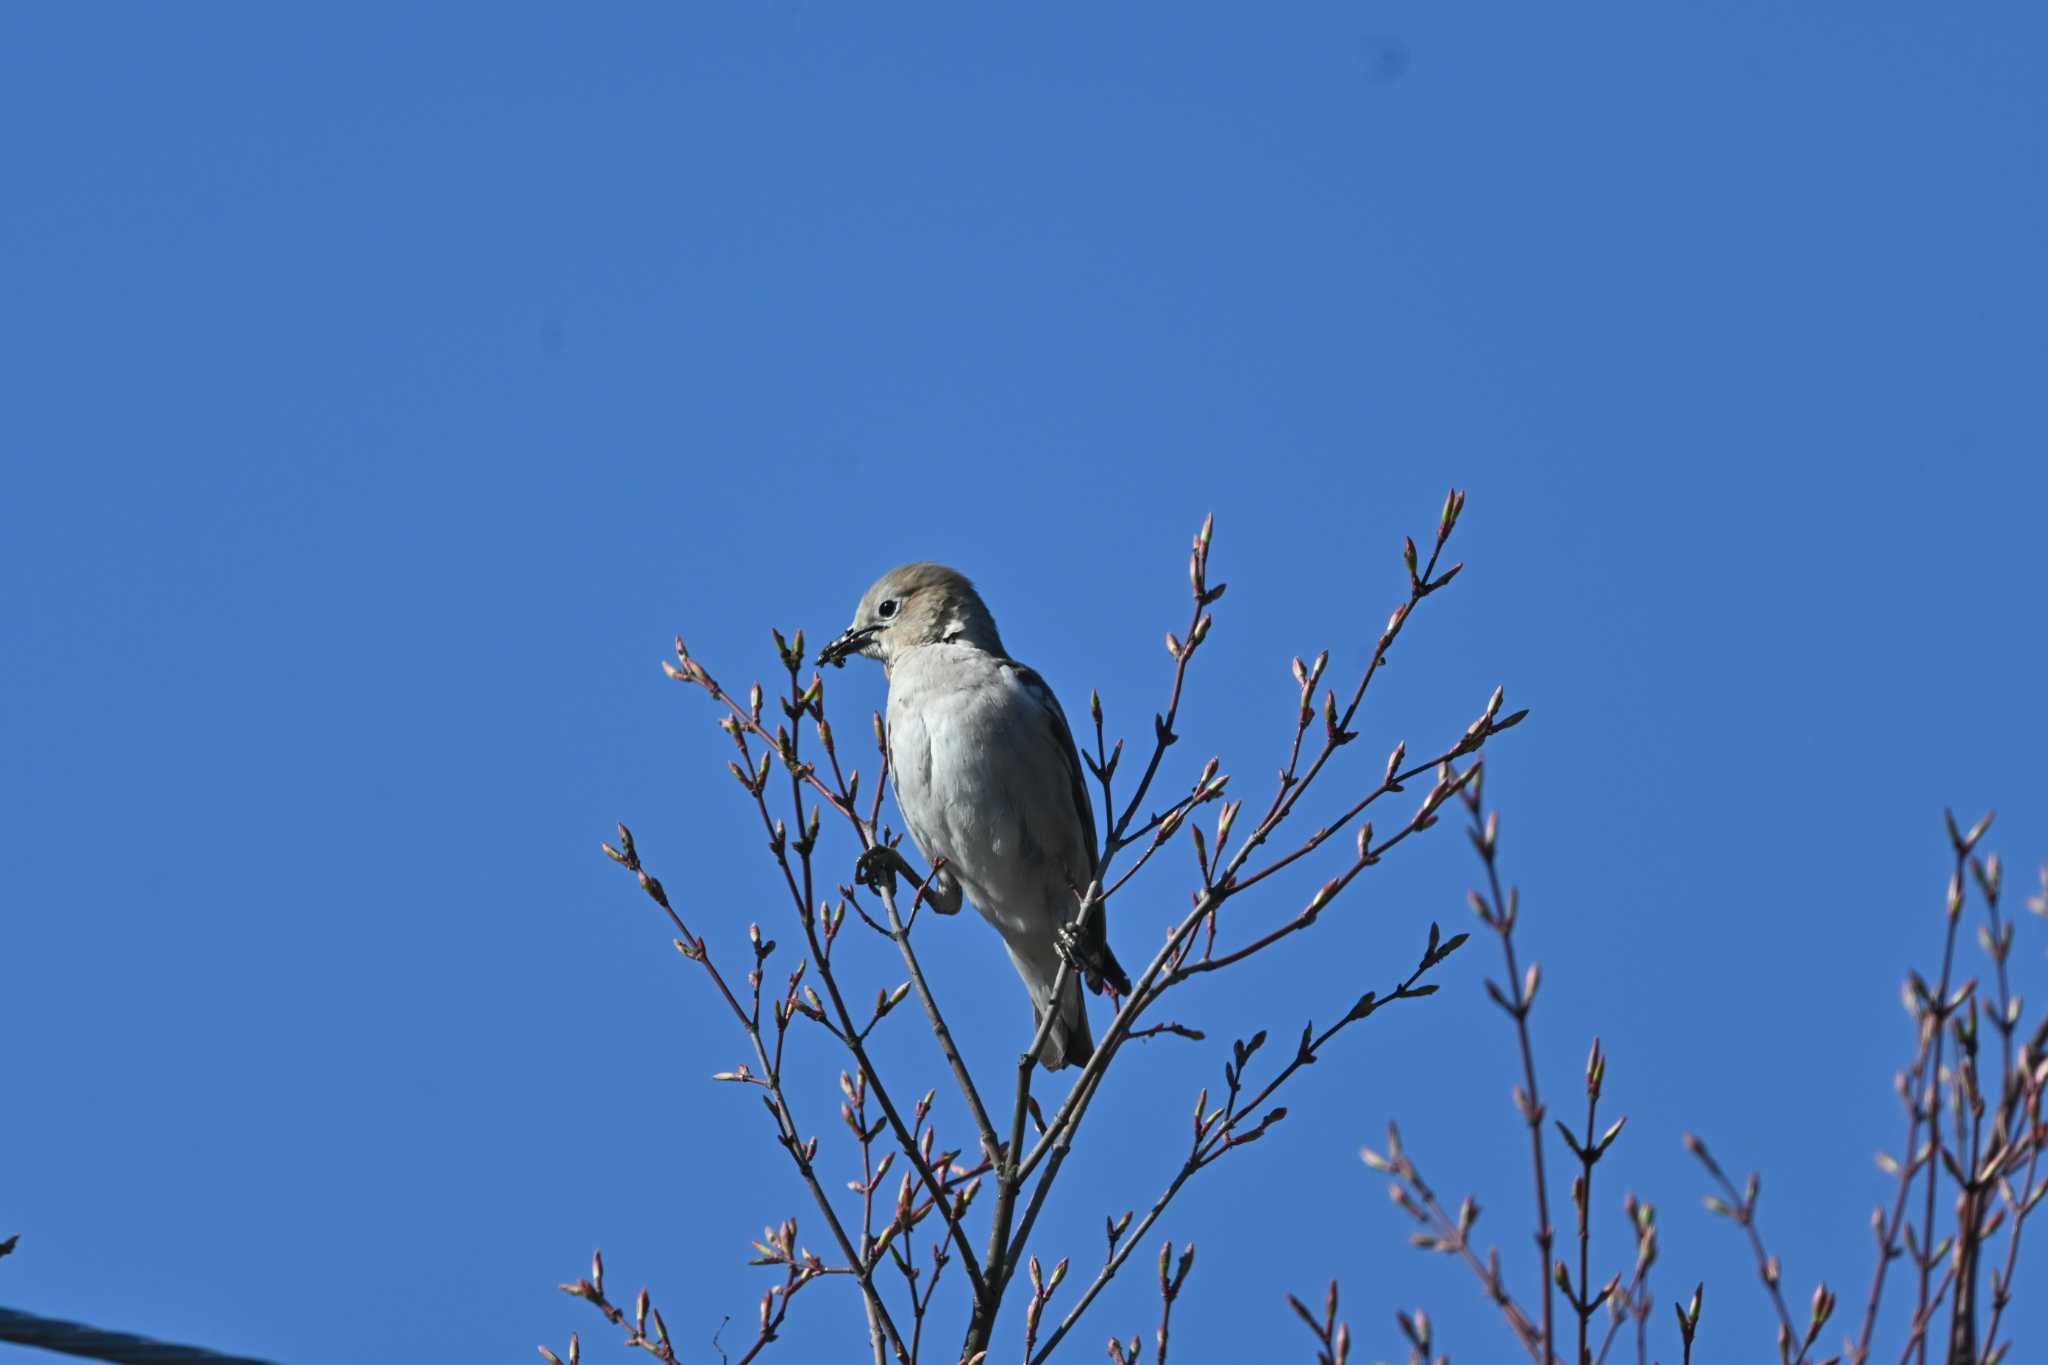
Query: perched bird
(990, 785)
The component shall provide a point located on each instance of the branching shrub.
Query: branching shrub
(1967, 1178)
(926, 1206)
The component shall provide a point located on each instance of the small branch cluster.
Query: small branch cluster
(1793, 1344)
(1532, 1319)
(1973, 1149)
(592, 1291)
(1333, 1338)
(778, 1247)
(1984, 1136)
(1171, 1277)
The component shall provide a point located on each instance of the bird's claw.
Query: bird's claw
(1074, 950)
(880, 866)
(1091, 958)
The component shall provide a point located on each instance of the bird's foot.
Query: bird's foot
(881, 865)
(941, 891)
(1087, 954)
(1077, 952)
(1066, 941)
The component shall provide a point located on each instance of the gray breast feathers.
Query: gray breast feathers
(988, 778)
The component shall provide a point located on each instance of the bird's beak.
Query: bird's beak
(851, 641)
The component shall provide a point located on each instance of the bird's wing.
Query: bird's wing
(1097, 961)
(1062, 738)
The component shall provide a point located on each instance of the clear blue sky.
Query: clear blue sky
(383, 389)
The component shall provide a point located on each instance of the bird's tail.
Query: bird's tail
(1068, 1042)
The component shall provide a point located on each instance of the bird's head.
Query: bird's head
(917, 604)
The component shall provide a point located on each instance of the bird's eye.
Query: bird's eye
(886, 609)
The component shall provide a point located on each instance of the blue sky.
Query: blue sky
(386, 387)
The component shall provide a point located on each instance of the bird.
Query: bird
(991, 787)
